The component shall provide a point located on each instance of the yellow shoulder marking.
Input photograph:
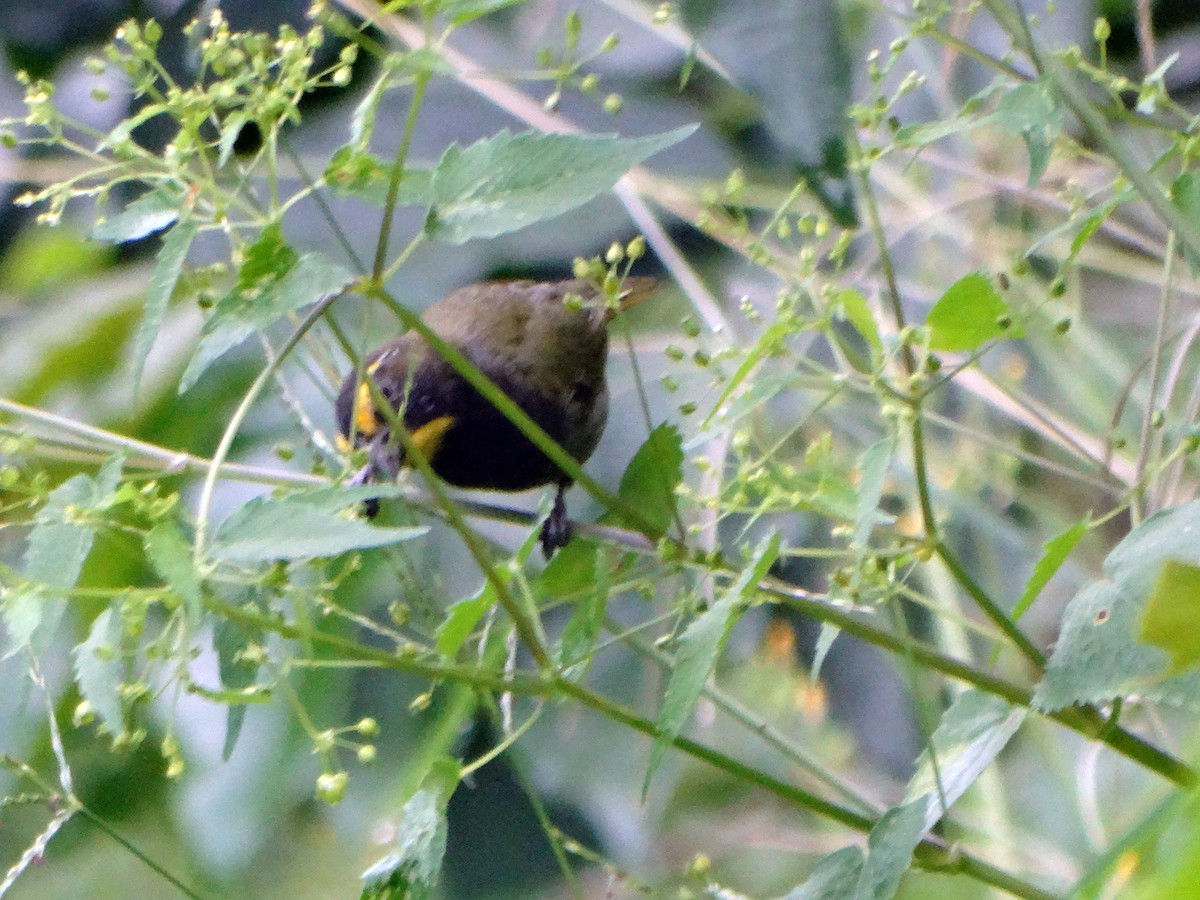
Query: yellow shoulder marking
(364, 411)
(429, 436)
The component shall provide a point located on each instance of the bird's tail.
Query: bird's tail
(635, 289)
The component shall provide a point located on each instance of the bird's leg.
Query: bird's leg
(556, 530)
(383, 465)
(385, 457)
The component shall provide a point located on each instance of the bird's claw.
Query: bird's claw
(556, 530)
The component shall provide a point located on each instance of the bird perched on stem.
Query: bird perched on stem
(544, 344)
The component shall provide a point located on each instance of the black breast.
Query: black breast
(483, 449)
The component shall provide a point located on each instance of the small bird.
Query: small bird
(546, 353)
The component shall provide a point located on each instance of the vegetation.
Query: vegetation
(924, 380)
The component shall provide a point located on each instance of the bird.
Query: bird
(544, 344)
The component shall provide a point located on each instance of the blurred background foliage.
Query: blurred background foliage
(772, 85)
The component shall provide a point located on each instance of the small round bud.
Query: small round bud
(331, 786)
(636, 248)
(613, 104)
(615, 254)
(367, 727)
(366, 754)
(84, 714)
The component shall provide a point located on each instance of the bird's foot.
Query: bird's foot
(365, 475)
(556, 530)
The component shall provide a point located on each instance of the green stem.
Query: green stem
(170, 462)
(398, 164)
(753, 723)
(204, 507)
(527, 625)
(146, 860)
(990, 608)
(1086, 721)
(929, 854)
(917, 433)
(1064, 80)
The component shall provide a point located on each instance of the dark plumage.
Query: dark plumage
(547, 356)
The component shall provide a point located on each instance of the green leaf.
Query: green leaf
(411, 867)
(266, 529)
(171, 557)
(231, 129)
(167, 269)
(54, 556)
(1172, 614)
(652, 476)
(358, 173)
(1054, 554)
(972, 732)
(460, 12)
(461, 619)
(571, 571)
(266, 260)
(397, 69)
(509, 181)
(1098, 656)
(1032, 110)
(260, 303)
(968, 314)
(890, 847)
(463, 616)
(583, 630)
(100, 669)
(151, 212)
(825, 638)
(60, 543)
(772, 340)
(699, 648)
(975, 728)
(229, 640)
(1185, 194)
(853, 305)
(335, 498)
(23, 609)
(872, 466)
(834, 877)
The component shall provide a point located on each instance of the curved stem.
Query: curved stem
(204, 507)
(389, 209)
